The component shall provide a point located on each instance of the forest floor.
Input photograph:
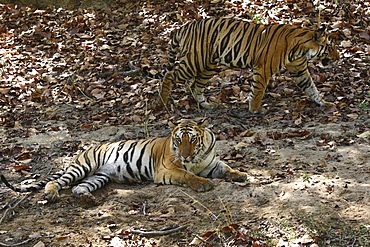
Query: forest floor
(308, 166)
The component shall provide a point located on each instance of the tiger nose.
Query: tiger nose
(184, 156)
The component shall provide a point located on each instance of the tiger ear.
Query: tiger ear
(320, 34)
(201, 121)
(172, 122)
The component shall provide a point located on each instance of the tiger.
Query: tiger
(266, 49)
(187, 157)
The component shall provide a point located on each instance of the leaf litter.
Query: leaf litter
(64, 87)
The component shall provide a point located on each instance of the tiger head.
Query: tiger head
(188, 139)
(321, 48)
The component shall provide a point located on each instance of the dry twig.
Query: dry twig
(133, 70)
(13, 207)
(157, 233)
(202, 239)
(18, 244)
(25, 241)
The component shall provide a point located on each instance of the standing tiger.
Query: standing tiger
(266, 49)
(186, 157)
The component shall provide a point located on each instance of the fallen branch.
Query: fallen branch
(18, 244)
(133, 71)
(26, 241)
(13, 207)
(157, 233)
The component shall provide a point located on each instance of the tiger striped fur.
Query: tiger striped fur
(266, 49)
(186, 157)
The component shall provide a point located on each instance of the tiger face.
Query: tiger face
(187, 141)
(322, 49)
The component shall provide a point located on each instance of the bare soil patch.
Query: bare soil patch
(298, 187)
(61, 91)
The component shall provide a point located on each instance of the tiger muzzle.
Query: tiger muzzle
(185, 155)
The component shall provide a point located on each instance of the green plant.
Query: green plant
(307, 177)
(364, 105)
(255, 18)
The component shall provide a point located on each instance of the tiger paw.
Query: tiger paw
(237, 176)
(86, 196)
(51, 192)
(51, 196)
(87, 200)
(326, 103)
(201, 185)
(82, 192)
(257, 110)
(208, 106)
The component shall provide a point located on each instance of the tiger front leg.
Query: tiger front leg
(221, 170)
(181, 177)
(315, 96)
(198, 184)
(299, 72)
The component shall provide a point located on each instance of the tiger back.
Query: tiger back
(203, 45)
(186, 157)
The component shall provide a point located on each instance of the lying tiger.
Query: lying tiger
(266, 49)
(187, 157)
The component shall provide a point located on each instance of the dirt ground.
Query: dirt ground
(310, 189)
(61, 91)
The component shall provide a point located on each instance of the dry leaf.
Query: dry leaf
(86, 126)
(246, 133)
(241, 145)
(18, 168)
(365, 134)
(352, 115)
(346, 44)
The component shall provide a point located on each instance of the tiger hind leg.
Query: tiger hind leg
(258, 90)
(166, 87)
(198, 86)
(170, 79)
(90, 184)
(52, 190)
